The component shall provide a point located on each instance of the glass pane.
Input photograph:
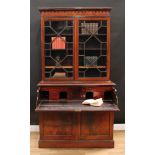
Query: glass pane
(58, 49)
(92, 48)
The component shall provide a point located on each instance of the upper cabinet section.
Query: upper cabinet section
(75, 43)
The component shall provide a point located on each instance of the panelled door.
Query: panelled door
(58, 48)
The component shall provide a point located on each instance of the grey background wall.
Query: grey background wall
(117, 46)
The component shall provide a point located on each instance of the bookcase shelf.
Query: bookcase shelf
(92, 49)
(58, 66)
(62, 35)
(80, 49)
(92, 66)
(72, 66)
(95, 35)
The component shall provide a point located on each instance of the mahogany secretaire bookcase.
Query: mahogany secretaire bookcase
(75, 45)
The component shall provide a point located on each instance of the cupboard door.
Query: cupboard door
(93, 48)
(58, 48)
(57, 125)
(96, 125)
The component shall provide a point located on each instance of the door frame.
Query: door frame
(77, 48)
(43, 19)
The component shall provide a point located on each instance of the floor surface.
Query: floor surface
(118, 150)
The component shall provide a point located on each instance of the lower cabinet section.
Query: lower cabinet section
(76, 129)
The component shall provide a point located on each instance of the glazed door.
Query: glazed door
(76, 48)
(93, 48)
(58, 48)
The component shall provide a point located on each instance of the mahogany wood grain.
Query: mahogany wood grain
(64, 121)
(76, 144)
(76, 83)
(70, 126)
